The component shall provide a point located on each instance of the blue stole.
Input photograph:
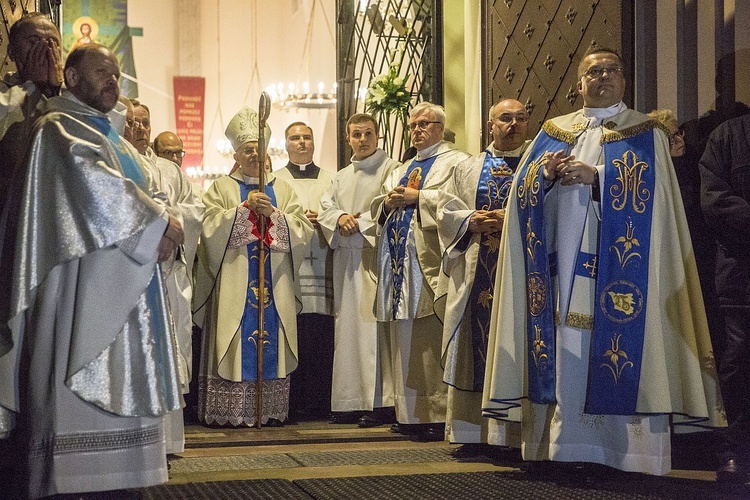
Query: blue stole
(492, 193)
(540, 308)
(622, 277)
(397, 226)
(249, 323)
(130, 168)
(154, 298)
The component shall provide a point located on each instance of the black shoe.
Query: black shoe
(432, 432)
(386, 414)
(369, 420)
(405, 429)
(274, 422)
(732, 472)
(471, 450)
(344, 417)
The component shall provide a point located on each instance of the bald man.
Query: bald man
(470, 216)
(169, 146)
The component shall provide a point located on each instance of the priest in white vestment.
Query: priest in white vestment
(409, 258)
(185, 204)
(599, 333)
(470, 220)
(227, 295)
(362, 378)
(89, 366)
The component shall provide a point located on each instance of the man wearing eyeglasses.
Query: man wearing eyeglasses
(185, 204)
(169, 146)
(470, 220)
(409, 264)
(599, 335)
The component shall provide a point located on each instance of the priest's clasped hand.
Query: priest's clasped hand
(487, 221)
(348, 224)
(568, 170)
(577, 172)
(312, 216)
(260, 203)
(400, 197)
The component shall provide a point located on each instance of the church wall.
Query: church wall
(239, 57)
(461, 84)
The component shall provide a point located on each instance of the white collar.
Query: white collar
(598, 115)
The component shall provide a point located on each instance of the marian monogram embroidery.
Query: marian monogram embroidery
(528, 190)
(629, 184)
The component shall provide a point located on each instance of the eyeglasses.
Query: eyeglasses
(510, 118)
(172, 154)
(421, 124)
(137, 124)
(597, 72)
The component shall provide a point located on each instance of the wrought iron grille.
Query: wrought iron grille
(372, 35)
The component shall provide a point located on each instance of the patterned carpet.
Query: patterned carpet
(454, 486)
(320, 461)
(309, 459)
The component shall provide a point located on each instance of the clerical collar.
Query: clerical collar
(428, 152)
(374, 159)
(597, 115)
(306, 171)
(509, 153)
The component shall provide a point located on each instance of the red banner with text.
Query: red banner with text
(189, 99)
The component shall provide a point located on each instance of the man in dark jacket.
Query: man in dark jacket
(725, 198)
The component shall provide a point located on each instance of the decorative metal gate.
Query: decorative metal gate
(372, 37)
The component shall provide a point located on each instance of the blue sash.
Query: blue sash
(249, 323)
(397, 227)
(492, 193)
(540, 315)
(154, 297)
(622, 276)
(130, 168)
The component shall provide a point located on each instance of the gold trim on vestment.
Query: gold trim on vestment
(578, 320)
(556, 132)
(633, 131)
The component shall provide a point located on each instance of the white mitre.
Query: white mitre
(244, 128)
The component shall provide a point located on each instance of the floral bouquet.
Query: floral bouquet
(388, 97)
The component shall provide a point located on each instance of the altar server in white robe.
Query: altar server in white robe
(470, 220)
(599, 332)
(362, 377)
(409, 259)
